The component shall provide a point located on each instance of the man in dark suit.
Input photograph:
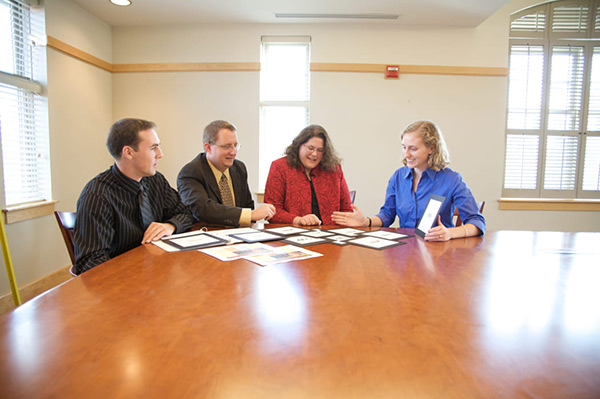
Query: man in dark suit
(215, 184)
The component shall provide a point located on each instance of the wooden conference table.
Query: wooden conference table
(513, 315)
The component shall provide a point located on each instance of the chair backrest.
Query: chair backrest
(352, 195)
(458, 221)
(66, 223)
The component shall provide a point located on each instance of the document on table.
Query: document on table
(238, 251)
(287, 253)
(224, 233)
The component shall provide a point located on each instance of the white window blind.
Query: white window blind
(525, 87)
(553, 115)
(566, 88)
(521, 161)
(561, 163)
(284, 96)
(591, 167)
(570, 18)
(23, 111)
(593, 121)
(531, 22)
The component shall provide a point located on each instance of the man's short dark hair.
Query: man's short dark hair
(211, 130)
(125, 132)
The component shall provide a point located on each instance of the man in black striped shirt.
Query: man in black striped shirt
(130, 203)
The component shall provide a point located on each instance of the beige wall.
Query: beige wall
(363, 112)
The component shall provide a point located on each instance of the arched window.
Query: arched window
(553, 115)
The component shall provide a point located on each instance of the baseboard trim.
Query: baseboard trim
(35, 288)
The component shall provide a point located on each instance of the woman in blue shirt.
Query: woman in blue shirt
(409, 189)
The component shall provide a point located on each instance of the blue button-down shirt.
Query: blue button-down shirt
(402, 201)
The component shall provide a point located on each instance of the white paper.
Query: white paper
(317, 233)
(287, 253)
(238, 251)
(304, 240)
(288, 230)
(346, 231)
(388, 235)
(429, 216)
(373, 242)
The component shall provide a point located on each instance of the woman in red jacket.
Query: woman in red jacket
(307, 185)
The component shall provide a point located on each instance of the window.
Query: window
(23, 111)
(284, 96)
(553, 118)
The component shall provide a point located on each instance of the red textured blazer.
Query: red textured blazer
(288, 189)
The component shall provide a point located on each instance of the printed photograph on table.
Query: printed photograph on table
(257, 236)
(317, 233)
(286, 230)
(339, 239)
(347, 231)
(195, 241)
(375, 243)
(239, 251)
(227, 233)
(303, 240)
(386, 235)
(287, 253)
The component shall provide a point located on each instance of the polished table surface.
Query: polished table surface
(512, 315)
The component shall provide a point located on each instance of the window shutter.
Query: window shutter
(532, 23)
(566, 88)
(521, 161)
(553, 112)
(570, 19)
(561, 163)
(597, 22)
(591, 166)
(525, 87)
(593, 121)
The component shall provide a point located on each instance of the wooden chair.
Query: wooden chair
(352, 195)
(458, 221)
(66, 223)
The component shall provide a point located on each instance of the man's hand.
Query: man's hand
(265, 211)
(157, 231)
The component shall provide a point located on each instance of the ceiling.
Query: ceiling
(448, 13)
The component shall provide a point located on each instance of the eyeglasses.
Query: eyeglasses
(310, 148)
(228, 147)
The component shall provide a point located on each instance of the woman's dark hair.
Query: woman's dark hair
(330, 160)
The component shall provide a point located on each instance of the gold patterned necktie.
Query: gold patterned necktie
(226, 196)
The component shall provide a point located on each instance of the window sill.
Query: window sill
(545, 204)
(19, 213)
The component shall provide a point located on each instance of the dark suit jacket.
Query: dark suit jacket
(198, 188)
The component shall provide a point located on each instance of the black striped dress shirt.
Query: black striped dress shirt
(109, 221)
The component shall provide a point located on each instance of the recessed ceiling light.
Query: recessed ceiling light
(123, 3)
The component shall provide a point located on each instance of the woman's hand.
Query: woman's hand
(307, 220)
(439, 232)
(354, 219)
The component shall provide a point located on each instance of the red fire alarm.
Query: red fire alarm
(392, 71)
